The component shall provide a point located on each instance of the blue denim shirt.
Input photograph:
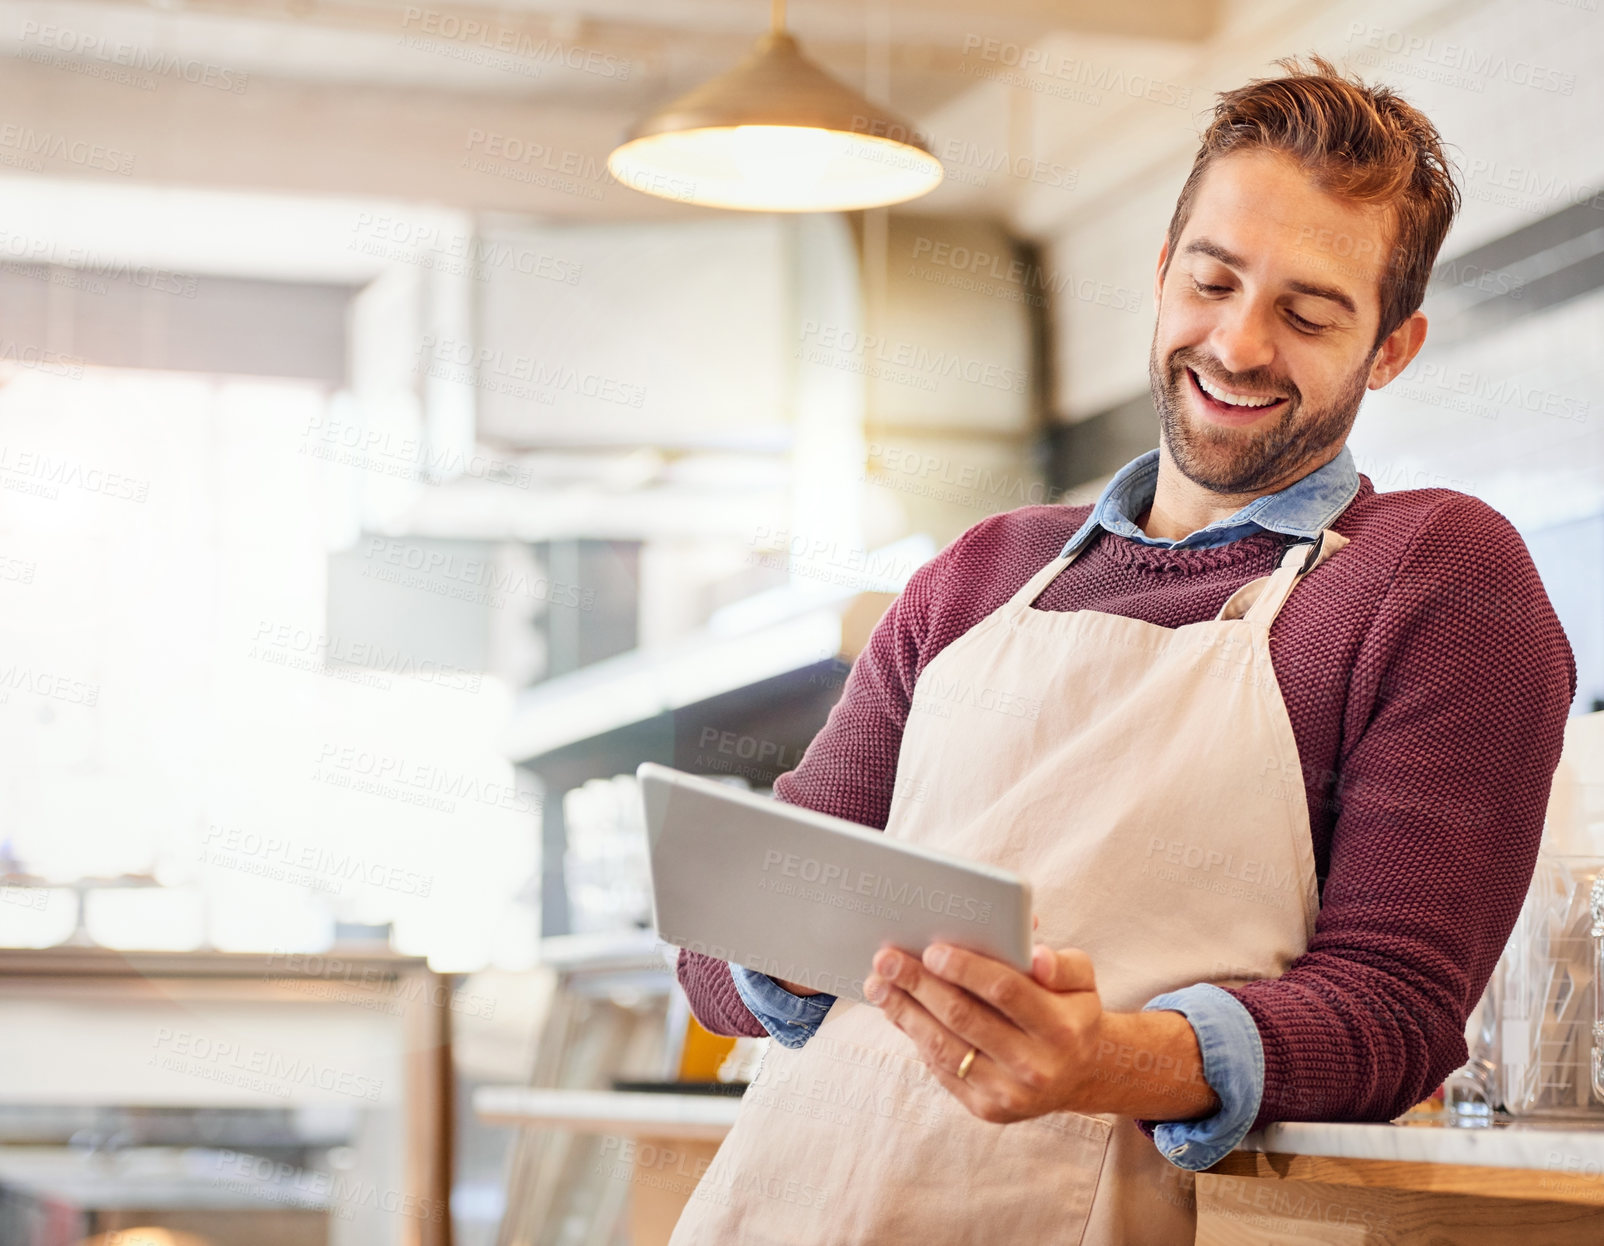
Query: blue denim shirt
(1227, 1038)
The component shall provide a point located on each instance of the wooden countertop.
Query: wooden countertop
(1551, 1161)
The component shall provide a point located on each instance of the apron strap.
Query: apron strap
(1260, 600)
(1037, 584)
(1255, 600)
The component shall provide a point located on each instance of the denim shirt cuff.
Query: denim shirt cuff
(790, 1019)
(1233, 1066)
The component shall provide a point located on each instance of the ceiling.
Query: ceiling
(423, 101)
(670, 45)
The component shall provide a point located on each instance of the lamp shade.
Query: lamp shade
(776, 134)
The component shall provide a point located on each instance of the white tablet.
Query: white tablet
(810, 898)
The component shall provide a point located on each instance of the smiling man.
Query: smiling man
(1283, 796)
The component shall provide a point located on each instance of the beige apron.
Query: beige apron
(1146, 781)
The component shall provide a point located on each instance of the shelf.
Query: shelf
(702, 1117)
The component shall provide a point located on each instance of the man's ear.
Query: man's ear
(1158, 273)
(1398, 351)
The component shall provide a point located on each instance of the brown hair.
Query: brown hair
(1363, 143)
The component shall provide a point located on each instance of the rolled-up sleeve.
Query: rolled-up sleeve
(1233, 1066)
(789, 1019)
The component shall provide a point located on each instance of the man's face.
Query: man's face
(1267, 322)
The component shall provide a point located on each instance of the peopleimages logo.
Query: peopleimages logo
(258, 1174)
(1034, 62)
(255, 1068)
(1010, 273)
(846, 348)
(878, 886)
(1473, 63)
(147, 65)
(936, 696)
(1207, 860)
(542, 50)
(314, 865)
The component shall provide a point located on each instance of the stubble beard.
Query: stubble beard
(1229, 460)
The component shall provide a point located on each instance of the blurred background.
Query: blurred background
(381, 480)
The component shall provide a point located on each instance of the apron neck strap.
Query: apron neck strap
(1260, 600)
(1037, 584)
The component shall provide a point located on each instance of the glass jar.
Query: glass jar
(1547, 994)
(1598, 988)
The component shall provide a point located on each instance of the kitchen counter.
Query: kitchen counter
(1573, 1148)
(1422, 1179)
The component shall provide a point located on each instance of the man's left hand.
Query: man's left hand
(1036, 1035)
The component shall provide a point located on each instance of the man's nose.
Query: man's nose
(1243, 340)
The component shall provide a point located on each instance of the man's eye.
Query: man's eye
(1212, 291)
(1307, 326)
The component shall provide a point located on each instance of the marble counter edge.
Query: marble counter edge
(1559, 1149)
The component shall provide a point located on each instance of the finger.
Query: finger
(938, 1047)
(985, 1091)
(955, 1008)
(1066, 969)
(1013, 995)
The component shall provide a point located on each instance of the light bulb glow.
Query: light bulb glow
(771, 168)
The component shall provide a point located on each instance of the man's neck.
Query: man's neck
(1181, 506)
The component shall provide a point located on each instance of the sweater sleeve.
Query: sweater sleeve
(715, 1002)
(848, 770)
(1456, 714)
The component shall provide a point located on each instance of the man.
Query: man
(1281, 793)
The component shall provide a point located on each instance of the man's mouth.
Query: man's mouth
(1232, 405)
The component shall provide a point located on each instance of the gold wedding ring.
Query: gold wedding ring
(963, 1065)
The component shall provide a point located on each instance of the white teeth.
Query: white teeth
(1230, 400)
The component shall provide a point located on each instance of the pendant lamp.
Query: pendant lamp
(776, 134)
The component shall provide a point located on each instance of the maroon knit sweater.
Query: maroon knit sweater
(1428, 683)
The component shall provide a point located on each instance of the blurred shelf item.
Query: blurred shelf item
(151, 1235)
(189, 1195)
(612, 1014)
(353, 1042)
(614, 949)
(638, 686)
(624, 967)
(703, 1057)
(18, 882)
(285, 1132)
(606, 867)
(726, 1090)
(614, 1113)
(362, 965)
(824, 615)
(1536, 1038)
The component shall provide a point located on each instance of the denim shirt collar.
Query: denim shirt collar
(1303, 509)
